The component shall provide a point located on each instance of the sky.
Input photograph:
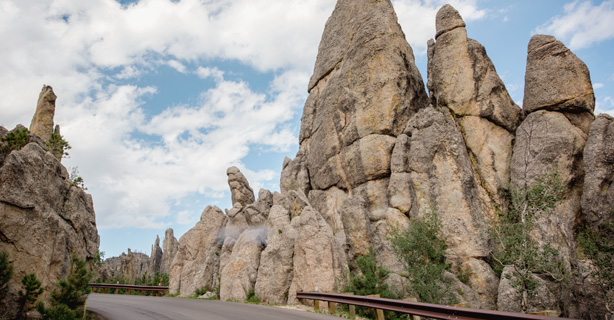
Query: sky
(159, 97)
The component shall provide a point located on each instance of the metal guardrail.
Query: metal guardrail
(420, 309)
(128, 287)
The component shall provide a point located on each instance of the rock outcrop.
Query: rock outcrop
(196, 264)
(376, 152)
(155, 258)
(42, 122)
(170, 246)
(44, 217)
(598, 191)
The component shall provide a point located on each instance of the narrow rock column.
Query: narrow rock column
(42, 122)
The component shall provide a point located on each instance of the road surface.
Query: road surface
(120, 307)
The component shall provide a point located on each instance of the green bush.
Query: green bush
(70, 294)
(76, 180)
(422, 253)
(252, 298)
(513, 243)
(15, 140)
(31, 289)
(598, 245)
(6, 273)
(370, 279)
(58, 146)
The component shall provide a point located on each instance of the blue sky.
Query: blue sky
(158, 97)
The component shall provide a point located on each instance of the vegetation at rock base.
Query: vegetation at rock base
(422, 253)
(68, 299)
(515, 246)
(598, 245)
(6, 273)
(58, 146)
(369, 279)
(31, 289)
(15, 140)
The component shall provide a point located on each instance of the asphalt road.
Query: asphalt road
(127, 307)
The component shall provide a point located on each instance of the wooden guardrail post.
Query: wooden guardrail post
(379, 313)
(412, 317)
(351, 307)
(549, 313)
(316, 305)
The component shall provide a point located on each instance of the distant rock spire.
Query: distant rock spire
(42, 122)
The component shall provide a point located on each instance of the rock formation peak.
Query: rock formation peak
(447, 19)
(42, 121)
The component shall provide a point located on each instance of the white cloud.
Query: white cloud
(213, 72)
(606, 105)
(177, 66)
(583, 24)
(597, 85)
(137, 164)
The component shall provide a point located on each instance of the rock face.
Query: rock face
(170, 248)
(196, 264)
(598, 191)
(42, 122)
(376, 152)
(44, 218)
(155, 264)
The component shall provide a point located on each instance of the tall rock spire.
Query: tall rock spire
(42, 122)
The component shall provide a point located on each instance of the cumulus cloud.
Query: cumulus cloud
(583, 24)
(138, 164)
(606, 105)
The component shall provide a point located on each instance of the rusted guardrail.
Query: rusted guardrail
(419, 308)
(128, 287)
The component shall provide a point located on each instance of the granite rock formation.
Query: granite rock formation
(42, 122)
(156, 256)
(44, 217)
(375, 152)
(170, 246)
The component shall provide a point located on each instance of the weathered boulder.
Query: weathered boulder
(598, 189)
(42, 122)
(241, 192)
(44, 219)
(275, 272)
(155, 258)
(239, 275)
(463, 79)
(170, 246)
(316, 261)
(556, 79)
(196, 264)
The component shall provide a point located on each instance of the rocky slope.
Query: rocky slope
(44, 217)
(376, 151)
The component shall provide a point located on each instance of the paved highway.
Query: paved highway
(123, 307)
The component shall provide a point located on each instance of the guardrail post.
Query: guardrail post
(379, 313)
(413, 317)
(351, 307)
(331, 307)
(549, 313)
(316, 305)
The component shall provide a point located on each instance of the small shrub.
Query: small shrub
(58, 146)
(6, 273)
(31, 289)
(70, 294)
(598, 245)
(252, 298)
(422, 253)
(76, 180)
(15, 140)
